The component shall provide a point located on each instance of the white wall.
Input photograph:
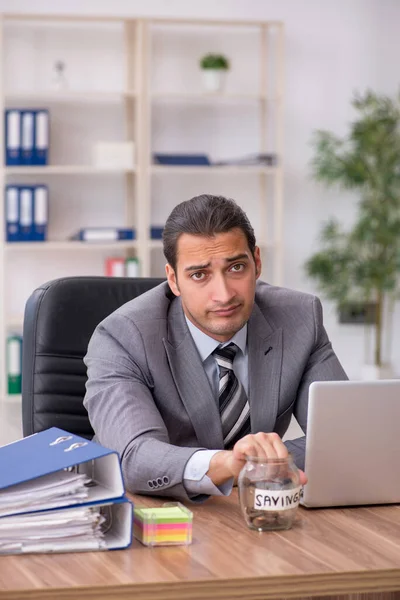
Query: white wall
(332, 49)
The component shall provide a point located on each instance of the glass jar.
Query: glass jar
(269, 492)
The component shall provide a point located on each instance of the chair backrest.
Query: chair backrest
(60, 317)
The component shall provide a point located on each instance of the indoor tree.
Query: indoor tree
(362, 263)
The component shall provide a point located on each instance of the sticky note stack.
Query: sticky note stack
(164, 525)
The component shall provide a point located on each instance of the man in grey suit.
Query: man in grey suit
(207, 368)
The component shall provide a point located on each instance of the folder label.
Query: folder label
(14, 357)
(42, 130)
(26, 207)
(27, 136)
(40, 204)
(13, 130)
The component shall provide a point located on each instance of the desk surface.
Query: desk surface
(327, 552)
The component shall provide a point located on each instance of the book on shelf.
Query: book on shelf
(60, 492)
(258, 159)
(186, 160)
(156, 232)
(122, 267)
(104, 234)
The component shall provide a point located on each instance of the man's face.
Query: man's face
(216, 278)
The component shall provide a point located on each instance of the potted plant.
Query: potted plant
(362, 263)
(214, 67)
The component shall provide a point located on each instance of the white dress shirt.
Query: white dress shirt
(195, 480)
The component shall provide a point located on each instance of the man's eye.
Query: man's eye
(197, 276)
(238, 267)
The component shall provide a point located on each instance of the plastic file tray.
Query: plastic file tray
(168, 524)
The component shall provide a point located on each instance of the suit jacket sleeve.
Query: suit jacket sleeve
(322, 365)
(123, 414)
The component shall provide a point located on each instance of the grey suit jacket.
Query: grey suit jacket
(148, 396)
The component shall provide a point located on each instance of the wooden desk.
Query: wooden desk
(328, 552)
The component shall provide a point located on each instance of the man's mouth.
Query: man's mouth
(226, 312)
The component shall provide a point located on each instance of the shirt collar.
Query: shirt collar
(206, 344)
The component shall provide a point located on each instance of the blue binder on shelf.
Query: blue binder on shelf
(12, 213)
(55, 474)
(41, 137)
(40, 212)
(25, 213)
(27, 136)
(104, 234)
(181, 159)
(12, 137)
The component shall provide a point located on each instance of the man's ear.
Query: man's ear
(257, 260)
(172, 279)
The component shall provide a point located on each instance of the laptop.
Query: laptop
(353, 443)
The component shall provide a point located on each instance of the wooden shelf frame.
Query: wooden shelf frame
(138, 100)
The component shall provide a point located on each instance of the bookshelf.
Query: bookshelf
(138, 80)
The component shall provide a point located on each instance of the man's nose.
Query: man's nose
(222, 293)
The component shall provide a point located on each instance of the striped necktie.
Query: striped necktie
(233, 404)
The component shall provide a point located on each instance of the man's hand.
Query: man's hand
(228, 463)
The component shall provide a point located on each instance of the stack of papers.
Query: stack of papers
(164, 525)
(61, 493)
(53, 531)
(50, 491)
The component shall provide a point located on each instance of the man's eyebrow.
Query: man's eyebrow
(237, 257)
(205, 266)
(197, 267)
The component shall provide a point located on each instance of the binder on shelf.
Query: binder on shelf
(41, 143)
(27, 136)
(156, 232)
(61, 492)
(40, 213)
(115, 267)
(14, 364)
(132, 267)
(26, 213)
(181, 159)
(104, 234)
(13, 137)
(12, 213)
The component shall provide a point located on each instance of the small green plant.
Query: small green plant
(214, 61)
(363, 262)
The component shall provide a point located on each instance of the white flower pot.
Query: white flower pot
(213, 79)
(372, 372)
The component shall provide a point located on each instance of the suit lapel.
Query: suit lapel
(265, 365)
(191, 380)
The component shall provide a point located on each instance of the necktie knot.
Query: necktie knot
(224, 356)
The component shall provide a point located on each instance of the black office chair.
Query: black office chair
(60, 317)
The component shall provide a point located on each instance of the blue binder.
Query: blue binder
(181, 159)
(104, 234)
(27, 136)
(12, 213)
(54, 450)
(12, 137)
(41, 137)
(25, 213)
(40, 212)
(40, 462)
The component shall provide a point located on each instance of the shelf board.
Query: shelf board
(217, 169)
(155, 244)
(69, 96)
(69, 245)
(14, 321)
(210, 96)
(64, 170)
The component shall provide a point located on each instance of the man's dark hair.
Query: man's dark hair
(204, 215)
